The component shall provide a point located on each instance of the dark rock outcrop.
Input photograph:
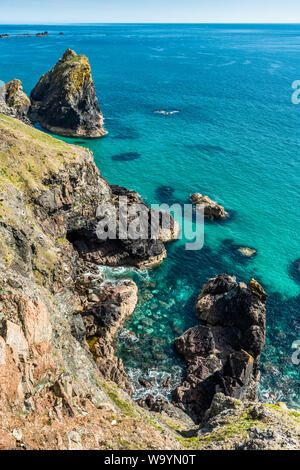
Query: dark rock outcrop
(41, 35)
(223, 353)
(212, 210)
(64, 101)
(136, 251)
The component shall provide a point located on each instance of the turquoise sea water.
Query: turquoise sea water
(235, 138)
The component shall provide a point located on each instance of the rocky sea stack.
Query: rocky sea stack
(64, 101)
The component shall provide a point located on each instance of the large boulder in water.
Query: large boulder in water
(223, 353)
(212, 210)
(64, 101)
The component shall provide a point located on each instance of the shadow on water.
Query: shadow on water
(209, 149)
(164, 194)
(294, 270)
(117, 130)
(126, 156)
(231, 249)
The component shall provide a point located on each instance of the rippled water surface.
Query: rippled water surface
(235, 138)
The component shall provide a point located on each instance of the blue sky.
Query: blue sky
(144, 11)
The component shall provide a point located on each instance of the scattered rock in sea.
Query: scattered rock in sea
(145, 383)
(223, 353)
(166, 113)
(128, 335)
(246, 251)
(64, 101)
(166, 382)
(40, 35)
(212, 210)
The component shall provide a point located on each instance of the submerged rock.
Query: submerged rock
(294, 270)
(246, 251)
(212, 209)
(223, 353)
(64, 101)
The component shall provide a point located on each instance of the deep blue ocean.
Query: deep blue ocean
(235, 138)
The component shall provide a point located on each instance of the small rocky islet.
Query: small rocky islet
(59, 317)
(212, 210)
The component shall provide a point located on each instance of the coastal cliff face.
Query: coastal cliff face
(53, 365)
(64, 101)
(61, 386)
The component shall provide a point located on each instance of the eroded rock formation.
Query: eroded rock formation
(64, 101)
(212, 210)
(13, 101)
(143, 250)
(223, 353)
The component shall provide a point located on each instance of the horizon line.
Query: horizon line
(153, 22)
